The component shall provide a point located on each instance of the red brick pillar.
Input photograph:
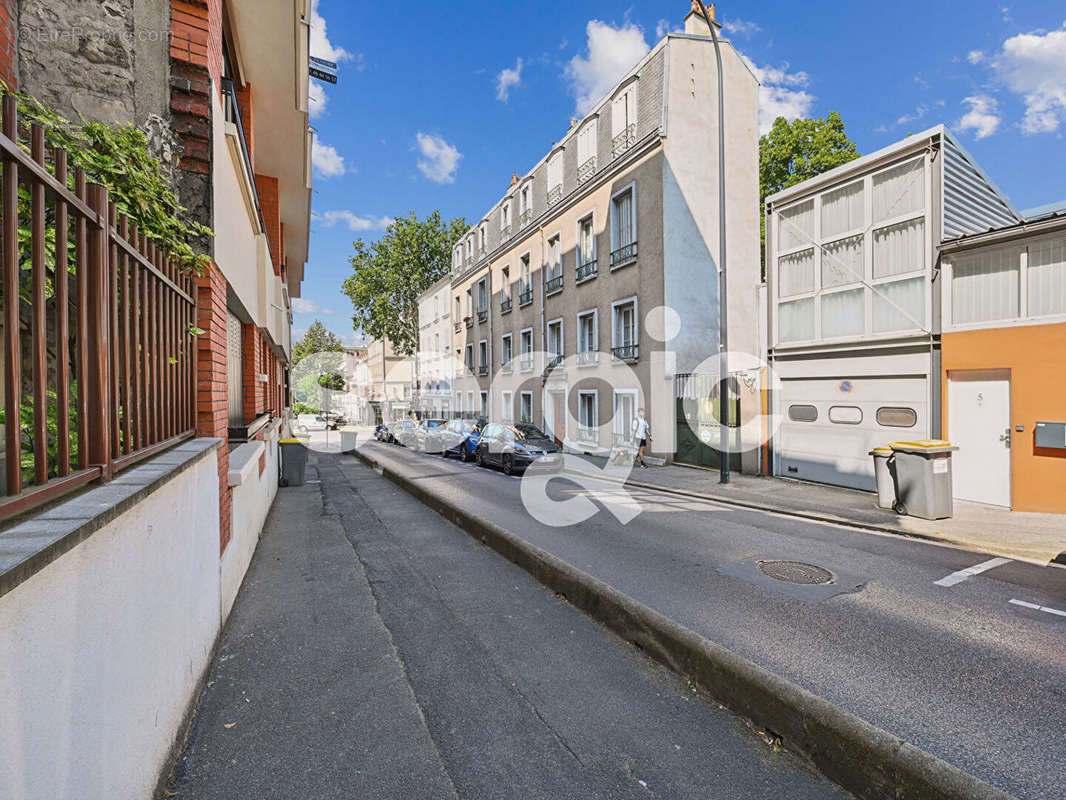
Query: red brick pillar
(212, 396)
(9, 43)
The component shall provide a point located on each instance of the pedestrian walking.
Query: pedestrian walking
(641, 434)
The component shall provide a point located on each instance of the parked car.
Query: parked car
(515, 447)
(429, 435)
(403, 432)
(381, 432)
(333, 420)
(460, 438)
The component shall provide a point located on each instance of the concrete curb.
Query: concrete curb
(865, 760)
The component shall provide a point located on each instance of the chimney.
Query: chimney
(696, 24)
(514, 178)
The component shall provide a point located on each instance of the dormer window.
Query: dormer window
(555, 178)
(525, 199)
(624, 120)
(586, 150)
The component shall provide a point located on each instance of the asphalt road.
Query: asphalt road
(959, 670)
(376, 651)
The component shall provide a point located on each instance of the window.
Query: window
(525, 413)
(899, 249)
(587, 337)
(436, 343)
(525, 203)
(1047, 277)
(624, 330)
(483, 239)
(586, 150)
(525, 285)
(586, 249)
(484, 404)
(554, 268)
(625, 411)
(795, 273)
(623, 228)
(588, 416)
(507, 406)
(984, 286)
(843, 210)
(505, 282)
(469, 357)
(506, 351)
(470, 402)
(845, 415)
(470, 247)
(624, 120)
(483, 356)
(469, 303)
(795, 320)
(555, 177)
(525, 345)
(795, 226)
(458, 310)
(505, 218)
(555, 337)
(899, 306)
(801, 413)
(844, 313)
(897, 417)
(842, 262)
(899, 191)
(482, 296)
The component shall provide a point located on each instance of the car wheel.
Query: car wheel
(508, 463)
(479, 457)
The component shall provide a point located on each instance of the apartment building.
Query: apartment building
(559, 292)
(435, 364)
(857, 295)
(1003, 362)
(386, 380)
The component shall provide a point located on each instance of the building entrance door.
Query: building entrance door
(979, 424)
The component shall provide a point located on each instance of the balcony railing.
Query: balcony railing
(525, 297)
(554, 285)
(586, 170)
(468, 321)
(587, 434)
(526, 362)
(586, 270)
(505, 232)
(554, 368)
(623, 141)
(588, 357)
(106, 317)
(482, 315)
(525, 218)
(555, 194)
(626, 352)
(233, 114)
(505, 306)
(624, 255)
(483, 370)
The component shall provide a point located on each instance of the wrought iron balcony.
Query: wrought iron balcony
(469, 321)
(554, 285)
(624, 140)
(482, 315)
(588, 357)
(505, 232)
(555, 194)
(626, 352)
(586, 270)
(525, 297)
(505, 306)
(624, 255)
(483, 370)
(586, 434)
(586, 170)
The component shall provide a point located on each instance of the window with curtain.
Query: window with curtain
(899, 306)
(555, 171)
(625, 325)
(985, 286)
(843, 210)
(624, 110)
(526, 407)
(899, 249)
(1047, 277)
(586, 242)
(555, 338)
(795, 320)
(623, 224)
(507, 406)
(586, 146)
(795, 273)
(842, 262)
(899, 190)
(844, 313)
(555, 261)
(795, 226)
(586, 332)
(587, 412)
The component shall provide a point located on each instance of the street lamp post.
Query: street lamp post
(723, 331)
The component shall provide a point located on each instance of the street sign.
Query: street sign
(323, 70)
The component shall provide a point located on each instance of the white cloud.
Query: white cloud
(975, 56)
(665, 26)
(740, 27)
(439, 159)
(301, 305)
(321, 46)
(982, 118)
(355, 222)
(354, 339)
(917, 114)
(612, 52)
(1033, 65)
(317, 99)
(781, 94)
(327, 161)
(507, 80)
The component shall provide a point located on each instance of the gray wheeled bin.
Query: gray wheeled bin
(886, 487)
(923, 478)
(293, 462)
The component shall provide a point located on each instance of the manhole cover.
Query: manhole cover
(795, 572)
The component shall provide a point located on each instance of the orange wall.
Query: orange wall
(1036, 358)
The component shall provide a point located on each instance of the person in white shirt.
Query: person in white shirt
(641, 434)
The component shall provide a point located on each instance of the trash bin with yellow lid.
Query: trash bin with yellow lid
(293, 461)
(923, 478)
(886, 487)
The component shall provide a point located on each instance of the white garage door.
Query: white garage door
(830, 425)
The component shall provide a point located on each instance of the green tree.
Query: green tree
(794, 151)
(389, 274)
(316, 340)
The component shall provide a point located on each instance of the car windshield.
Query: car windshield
(526, 431)
(434, 423)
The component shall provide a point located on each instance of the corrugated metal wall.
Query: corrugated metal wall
(971, 203)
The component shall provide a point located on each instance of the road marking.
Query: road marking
(969, 572)
(1036, 607)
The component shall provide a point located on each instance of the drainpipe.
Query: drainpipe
(543, 333)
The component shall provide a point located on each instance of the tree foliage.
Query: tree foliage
(389, 274)
(794, 151)
(316, 340)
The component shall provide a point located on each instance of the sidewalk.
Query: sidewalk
(376, 651)
(1035, 538)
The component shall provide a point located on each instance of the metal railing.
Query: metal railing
(483, 370)
(587, 434)
(525, 297)
(626, 352)
(505, 232)
(104, 319)
(482, 315)
(553, 285)
(505, 306)
(623, 141)
(588, 357)
(233, 114)
(586, 170)
(623, 255)
(526, 363)
(586, 270)
(555, 194)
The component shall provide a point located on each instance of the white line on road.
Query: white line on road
(1036, 607)
(969, 572)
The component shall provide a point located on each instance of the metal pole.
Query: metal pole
(723, 330)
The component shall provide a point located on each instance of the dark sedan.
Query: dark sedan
(515, 447)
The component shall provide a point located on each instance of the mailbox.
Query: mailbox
(1051, 434)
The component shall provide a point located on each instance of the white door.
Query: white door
(979, 424)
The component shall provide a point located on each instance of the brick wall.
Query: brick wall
(8, 51)
(252, 354)
(270, 201)
(196, 35)
(245, 100)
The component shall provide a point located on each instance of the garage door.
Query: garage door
(829, 425)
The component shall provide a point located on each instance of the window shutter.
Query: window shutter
(618, 115)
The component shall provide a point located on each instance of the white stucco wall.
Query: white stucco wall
(101, 651)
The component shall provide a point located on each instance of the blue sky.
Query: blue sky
(438, 105)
